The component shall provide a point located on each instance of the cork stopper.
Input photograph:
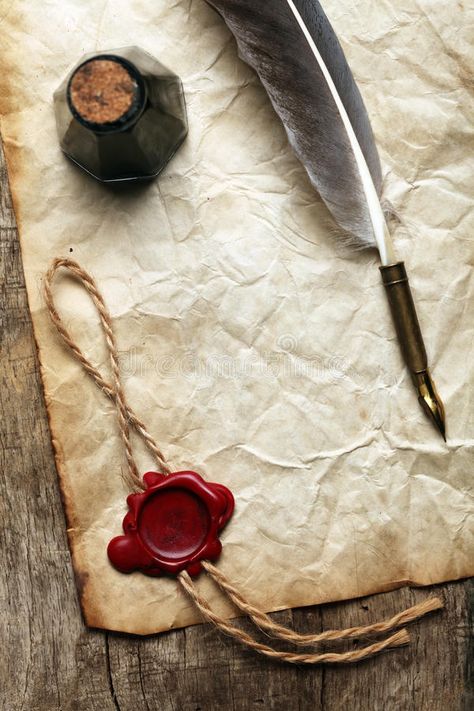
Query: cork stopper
(103, 91)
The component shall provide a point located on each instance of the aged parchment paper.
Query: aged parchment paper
(257, 350)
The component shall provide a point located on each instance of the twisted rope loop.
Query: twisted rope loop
(127, 421)
(114, 390)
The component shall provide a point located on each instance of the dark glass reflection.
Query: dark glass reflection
(141, 147)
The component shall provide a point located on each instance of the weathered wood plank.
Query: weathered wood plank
(50, 662)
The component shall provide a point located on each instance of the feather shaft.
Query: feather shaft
(294, 50)
(379, 224)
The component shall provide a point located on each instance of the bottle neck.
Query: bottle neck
(106, 94)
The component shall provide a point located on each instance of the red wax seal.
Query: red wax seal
(172, 525)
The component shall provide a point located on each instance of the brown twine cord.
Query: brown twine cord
(398, 639)
(127, 419)
(114, 391)
(265, 623)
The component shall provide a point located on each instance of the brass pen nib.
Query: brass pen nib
(430, 400)
(403, 310)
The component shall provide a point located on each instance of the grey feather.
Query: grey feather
(271, 41)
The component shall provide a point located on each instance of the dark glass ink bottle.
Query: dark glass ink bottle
(121, 115)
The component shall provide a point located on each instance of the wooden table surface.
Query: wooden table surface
(50, 661)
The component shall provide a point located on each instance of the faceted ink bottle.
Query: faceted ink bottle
(121, 115)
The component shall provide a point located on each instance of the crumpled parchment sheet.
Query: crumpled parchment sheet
(257, 350)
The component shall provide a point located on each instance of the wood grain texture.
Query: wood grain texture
(50, 662)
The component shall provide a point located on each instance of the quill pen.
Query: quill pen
(295, 52)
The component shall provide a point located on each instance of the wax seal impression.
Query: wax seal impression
(172, 526)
